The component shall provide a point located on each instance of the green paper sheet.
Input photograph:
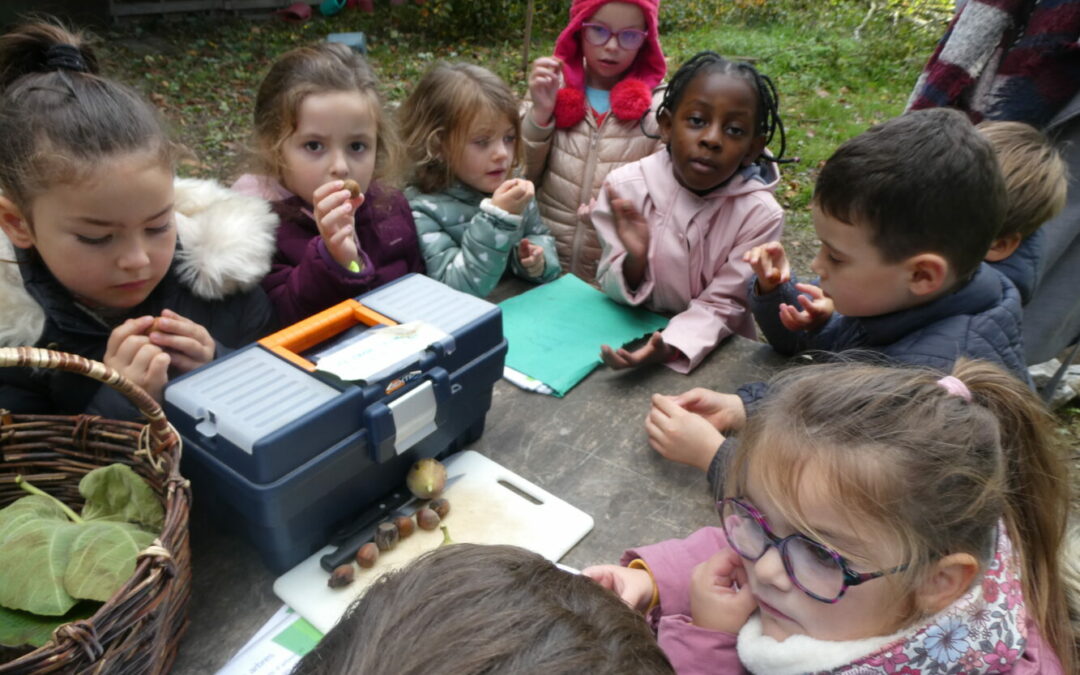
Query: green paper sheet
(555, 330)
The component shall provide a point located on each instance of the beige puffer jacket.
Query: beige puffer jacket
(569, 166)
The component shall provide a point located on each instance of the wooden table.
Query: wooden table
(588, 448)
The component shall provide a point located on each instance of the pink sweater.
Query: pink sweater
(695, 269)
(697, 651)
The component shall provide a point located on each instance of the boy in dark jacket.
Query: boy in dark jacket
(905, 213)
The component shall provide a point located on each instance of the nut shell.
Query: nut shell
(405, 526)
(386, 536)
(427, 519)
(353, 187)
(342, 575)
(368, 555)
(440, 506)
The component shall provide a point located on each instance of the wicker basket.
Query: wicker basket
(139, 628)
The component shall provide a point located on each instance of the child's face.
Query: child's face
(870, 609)
(606, 63)
(854, 274)
(109, 239)
(485, 160)
(712, 132)
(335, 139)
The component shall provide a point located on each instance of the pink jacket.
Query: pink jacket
(695, 268)
(693, 650)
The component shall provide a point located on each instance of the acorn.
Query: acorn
(353, 187)
(427, 478)
(427, 519)
(386, 536)
(342, 575)
(404, 525)
(367, 555)
(440, 506)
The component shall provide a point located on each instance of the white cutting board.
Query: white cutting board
(482, 511)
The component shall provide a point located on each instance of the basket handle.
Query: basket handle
(33, 357)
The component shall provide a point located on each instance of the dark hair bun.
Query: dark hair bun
(43, 48)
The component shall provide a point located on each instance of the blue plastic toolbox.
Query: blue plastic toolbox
(288, 454)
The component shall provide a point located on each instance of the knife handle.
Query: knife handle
(347, 551)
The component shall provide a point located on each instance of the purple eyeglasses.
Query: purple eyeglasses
(818, 571)
(599, 34)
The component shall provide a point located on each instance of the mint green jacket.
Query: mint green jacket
(467, 242)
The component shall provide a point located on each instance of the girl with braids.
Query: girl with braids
(875, 520)
(114, 258)
(675, 225)
(586, 113)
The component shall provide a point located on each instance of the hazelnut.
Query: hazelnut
(405, 526)
(353, 187)
(427, 519)
(386, 536)
(426, 478)
(342, 575)
(367, 555)
(440, 506)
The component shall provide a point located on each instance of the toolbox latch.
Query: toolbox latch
(414, 416)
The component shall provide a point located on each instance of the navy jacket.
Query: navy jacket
(1022, 267)
(981, 320)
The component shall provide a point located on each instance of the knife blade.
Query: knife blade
(362, 534)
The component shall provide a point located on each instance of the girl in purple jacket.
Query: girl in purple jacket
(323, 142)
(875, 520)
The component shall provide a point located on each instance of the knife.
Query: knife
(364, 530)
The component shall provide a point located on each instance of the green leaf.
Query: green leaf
(102, 559)
(117, 493)
(33, 562)
(26, 510)
(23, 628)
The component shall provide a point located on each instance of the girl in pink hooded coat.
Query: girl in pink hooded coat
(876, 520)
(675, 225)
(609, 64)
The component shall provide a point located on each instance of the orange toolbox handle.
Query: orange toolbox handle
(289, 342)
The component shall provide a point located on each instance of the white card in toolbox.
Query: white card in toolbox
(482, 511)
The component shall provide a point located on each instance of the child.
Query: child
(1036, 182)
(461, 131)
(91, 215)
(875, 520)
(470, 610)
(610, 60)
(905, 213)
(676, 224)
(319, 122)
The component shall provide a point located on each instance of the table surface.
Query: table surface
(588, 448)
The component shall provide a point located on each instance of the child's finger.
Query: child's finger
(141, 358)
(327, 189)
(812, 290)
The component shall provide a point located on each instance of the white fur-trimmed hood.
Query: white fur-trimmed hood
(226, 243)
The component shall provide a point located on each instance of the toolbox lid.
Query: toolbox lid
(248, 396)
(421, 298)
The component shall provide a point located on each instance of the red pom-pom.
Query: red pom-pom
(569, 107)
(630, 99)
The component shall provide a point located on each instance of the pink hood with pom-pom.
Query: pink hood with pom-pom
(631, 97)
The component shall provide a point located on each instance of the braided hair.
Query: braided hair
(768, 108)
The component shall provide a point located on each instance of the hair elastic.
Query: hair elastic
(955, 387)
(65, 57)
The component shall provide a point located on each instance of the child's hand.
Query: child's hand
(531, 257)
(543, 87)
(770, 264)
(634, 586)
(815, 312)
(680, 435)
(726, 412)
(513, 195)
(187, 343)
(130, 353)
(630, 225)
(584, 212)
(334, 209)
(720, 597)
(654, 351)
